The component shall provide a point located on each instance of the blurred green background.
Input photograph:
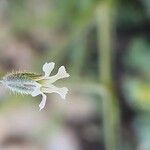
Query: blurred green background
(105, 46)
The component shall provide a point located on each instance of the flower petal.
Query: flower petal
(53, 89)
(62, 72)
(60, 75)
(43, 102)
(48, 67)
(37, 90)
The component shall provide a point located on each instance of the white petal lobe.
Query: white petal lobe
(48, 68)
(36, 93)
(37, 90)
(53, 89)
(63, 92)
(43, 102)
(62, 73)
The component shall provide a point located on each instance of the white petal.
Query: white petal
(61, 74)
(37, 90)
(53, 89)
(43, 102)
(63, 92)
(47, 68)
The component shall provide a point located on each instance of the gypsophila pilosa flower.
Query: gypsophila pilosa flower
(34, 84)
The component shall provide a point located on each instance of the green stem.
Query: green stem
(105, 24)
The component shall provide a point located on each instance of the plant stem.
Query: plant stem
(111, 120)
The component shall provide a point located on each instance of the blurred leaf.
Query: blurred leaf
(147, 6)
(138, 57)
(142, 128)
(130, 12)
(137, 92)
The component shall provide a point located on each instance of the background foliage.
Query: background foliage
(105, 46)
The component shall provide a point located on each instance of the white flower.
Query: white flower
(34, 84)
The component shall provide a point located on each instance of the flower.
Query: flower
(34, 84)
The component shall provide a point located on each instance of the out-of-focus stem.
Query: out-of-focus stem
(105, 25)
